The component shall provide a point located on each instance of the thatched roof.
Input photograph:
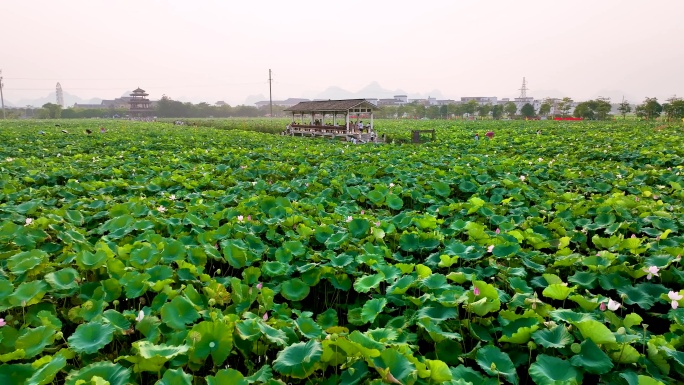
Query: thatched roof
(331, 106)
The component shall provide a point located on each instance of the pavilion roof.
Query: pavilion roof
(331, 105)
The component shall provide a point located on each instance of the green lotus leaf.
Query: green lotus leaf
(439, 371)
(354, 374)
(637, 295)
(178, 313)
(401, 285)
(46, 374)
(558, 291)
(91, 337)
(308, 328)
(368, 282)
(557, 337)
(15, 373)
(33, 341)
(28, 293)
(442, 189)
(595, 331)
(496, 363)
(298, 360)
(75, 217)
(274, 269)
(435, 282)
(394, 202)
(117, 319)
(359, 227)
(437, 313)
(151, 357)
(372, 308)
(548, 370)
(262, 375)
(625, 354)
(397, 365)
(175, 377)
(592, 359)
(114, 374)
(227, 376)
(274, 335)
(646, 380)
(502, 251)
(91, 261)
(294, 289)
(376, 197)
(248, 329)
(327, 319)
(64, 279)
(210, 338)
(584, 279)
(25, 261)
(336, 240)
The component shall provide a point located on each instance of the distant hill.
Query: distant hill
(372, 90)
(69, 100)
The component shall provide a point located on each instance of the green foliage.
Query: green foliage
(160, 254)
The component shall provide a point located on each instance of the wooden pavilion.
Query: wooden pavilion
(140, 105)
(335, 119)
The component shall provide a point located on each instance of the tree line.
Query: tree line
(595, 109)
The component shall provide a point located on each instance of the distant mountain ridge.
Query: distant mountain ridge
(372, 90)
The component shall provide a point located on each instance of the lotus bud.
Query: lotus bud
(218, 271)
(59, 335)
(492, 366)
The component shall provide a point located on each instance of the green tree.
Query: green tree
(545, 108)
(674, 108)
(484, 109)
(527, 110)
(649, 109)
(497, 111)
(565, 105)
(510, 108)
(624, 108)
(54, 110)
(602, 107)
(470, 107)
(584, 110)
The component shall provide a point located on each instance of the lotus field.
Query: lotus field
(154, 254)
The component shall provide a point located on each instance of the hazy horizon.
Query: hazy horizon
(215, 50)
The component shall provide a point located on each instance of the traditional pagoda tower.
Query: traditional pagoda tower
(140, 106)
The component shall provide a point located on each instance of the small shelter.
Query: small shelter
(333, 118)
(140, 106)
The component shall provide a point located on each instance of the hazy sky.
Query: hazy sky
(210, 50)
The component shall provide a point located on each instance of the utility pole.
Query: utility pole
(2, 97)
(270, 96)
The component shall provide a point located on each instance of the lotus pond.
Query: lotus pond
(154, 254)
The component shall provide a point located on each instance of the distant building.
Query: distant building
(481, 100)
(140, 105)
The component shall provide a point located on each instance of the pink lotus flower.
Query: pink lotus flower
(633, 235)
(651, 270)
(265, 317)
(349, 218)
(476, 291)
(656, 197)
(259, 285)
(602, 306)
(636, 199)
(391, 185)
(674, 297)
(612, 305)
(2, 322)
(161, 209)
(240, 218)
(377, 224)
(28, 221)
(522, 178)
(490, 249)
(498, 231)
(249, 217)
(363, 212)
(172, 197)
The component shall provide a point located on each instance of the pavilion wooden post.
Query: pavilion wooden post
(347, 119)
(371, 124)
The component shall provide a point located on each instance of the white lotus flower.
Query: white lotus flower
(612, 305)
(140, 316)
(674, 297)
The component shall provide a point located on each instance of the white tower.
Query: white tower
(60, 95)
